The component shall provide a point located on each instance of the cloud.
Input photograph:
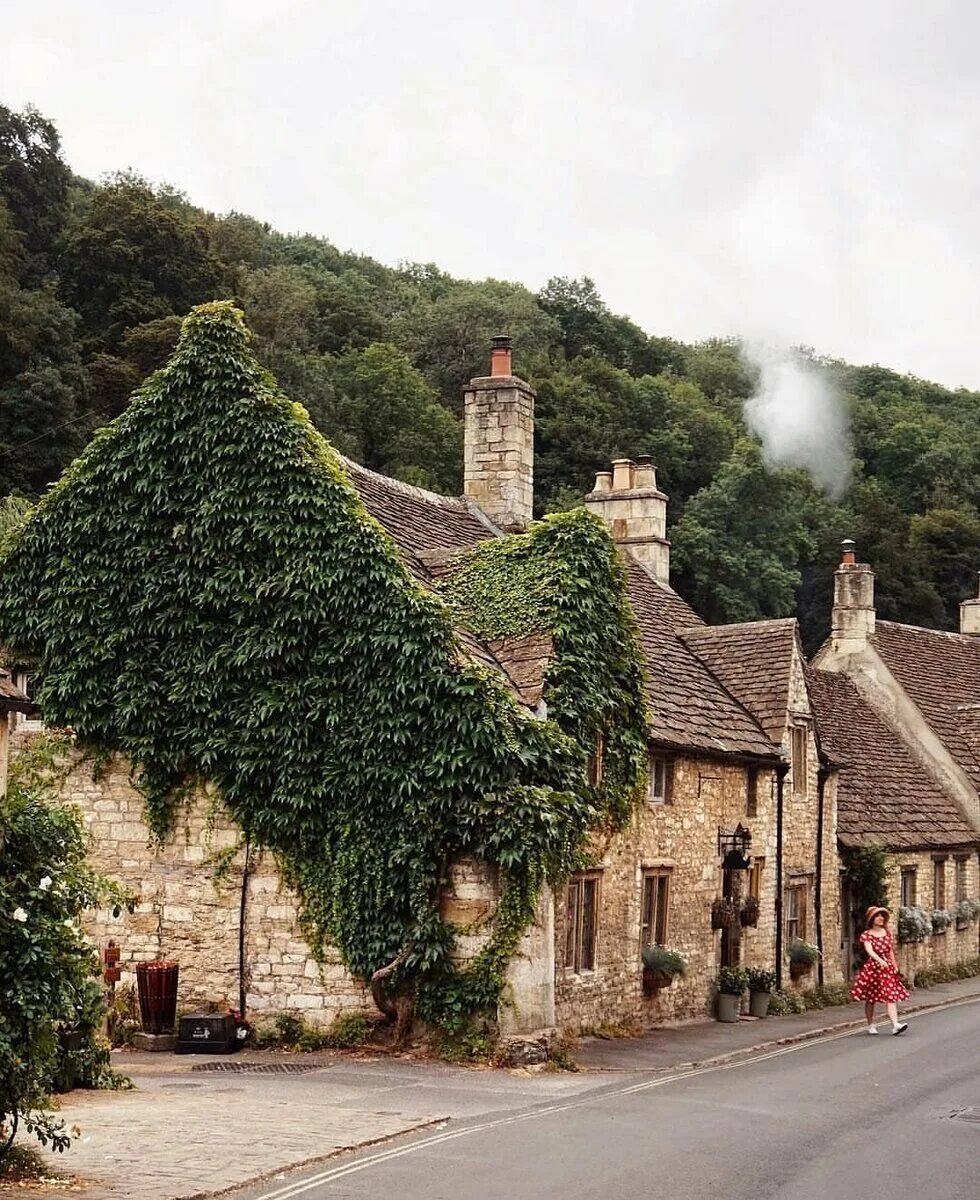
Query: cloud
(799, 416)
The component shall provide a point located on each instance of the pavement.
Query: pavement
(196, 1126)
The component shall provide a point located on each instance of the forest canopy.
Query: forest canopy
(96, 277)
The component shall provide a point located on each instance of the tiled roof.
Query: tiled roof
(941, 674)
(884, 797)
(753, 660)
(525, 659)
(12, 699)
(423, 525)
(689, 707)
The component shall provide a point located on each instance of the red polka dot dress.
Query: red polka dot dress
(876, 984)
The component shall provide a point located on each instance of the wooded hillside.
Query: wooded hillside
(95, 278)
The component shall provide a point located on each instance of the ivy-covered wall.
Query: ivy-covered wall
(206, 594)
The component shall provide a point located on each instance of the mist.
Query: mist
(799, 416)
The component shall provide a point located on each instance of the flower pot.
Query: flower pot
(729, 1007)
(157, 986)
(798, 969)
(653, 981)
(759, 1003)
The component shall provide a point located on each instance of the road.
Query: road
(849, 1116)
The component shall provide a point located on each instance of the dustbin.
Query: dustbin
(156, 983)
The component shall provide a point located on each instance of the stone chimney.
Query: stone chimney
(628, 500)
(498, 446)
(970, 615)
(853, 617)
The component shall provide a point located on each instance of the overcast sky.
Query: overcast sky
(808, 172)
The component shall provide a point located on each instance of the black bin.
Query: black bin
(208, 1033)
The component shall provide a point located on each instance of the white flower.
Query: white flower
(19, 915)
(70, 923)
(45, 883)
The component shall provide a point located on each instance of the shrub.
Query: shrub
(663, 960)
(914, 924)
(942, 918)
(782, 1003)
(947, 973)
(967, 911)
(349, 1030)
(761, 980)
(290, 1029)
(732, 981)
(802, 952)
(49, 973)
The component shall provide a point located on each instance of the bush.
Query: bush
(967, 911)
(947, 973)
(663, 960)
(914, 924)
(290, 1029)
(782, 1003)
(761, 980)
(732, 981)
(942, 918)
(49, 974)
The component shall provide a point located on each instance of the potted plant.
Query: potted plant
(802, 956)
(731, 982)
(965, 912)
(723, 913)
(661, 966)
(914, 924)
(749, 912)
(761, 983)
(942, 918)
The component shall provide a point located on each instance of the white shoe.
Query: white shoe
(872, 1029)
(900, 1028)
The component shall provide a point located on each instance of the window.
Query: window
(27, 681)
(908, 887)
(660, 782)
(939, 883)
(653, 913)
(597, 760)
(581, 923)
(752, 792)
(961, 868)
(755, 878)
(798, 741)
(794, 903)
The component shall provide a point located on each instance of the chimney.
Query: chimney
(629, 502)
(498, 442)
(853, 617)
(970, 615)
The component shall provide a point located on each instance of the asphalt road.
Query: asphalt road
(850, 1116)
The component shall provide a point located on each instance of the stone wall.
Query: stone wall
(955, 945)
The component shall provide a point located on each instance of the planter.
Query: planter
(729, 1007)
(749, 913)
(654, 980)
(157, 986)
(759, 1003)
(797, 970)
(724, 914)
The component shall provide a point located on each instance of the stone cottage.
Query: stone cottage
(897, 707)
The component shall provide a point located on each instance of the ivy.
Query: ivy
(206, 594)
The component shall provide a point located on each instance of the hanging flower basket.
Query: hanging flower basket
(749, 912)
(724, 914)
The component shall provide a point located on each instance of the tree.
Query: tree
(135, 254)
(945, 545)
(33, 183)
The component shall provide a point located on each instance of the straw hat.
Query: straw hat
(872, 912)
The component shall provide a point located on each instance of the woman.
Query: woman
(878, 981)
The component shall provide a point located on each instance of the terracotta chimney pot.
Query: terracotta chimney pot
(500, 356)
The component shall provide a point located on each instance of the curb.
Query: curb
(808, 1035)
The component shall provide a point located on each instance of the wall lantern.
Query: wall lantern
(734, 847)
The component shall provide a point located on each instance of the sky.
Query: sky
(796, 172)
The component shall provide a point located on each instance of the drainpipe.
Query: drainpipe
(781, 770)
(241, 926)
(822, 773)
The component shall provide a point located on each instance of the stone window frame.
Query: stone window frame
(909, 886)
(939, 890)
(655, 911)
(961, 884)
(581, 949)
(664, 763)
(755, 876)
(799, 738)
(751, 791)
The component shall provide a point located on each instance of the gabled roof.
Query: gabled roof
(753, 660)
(940, 672)
(689, 708)
(884, 797)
